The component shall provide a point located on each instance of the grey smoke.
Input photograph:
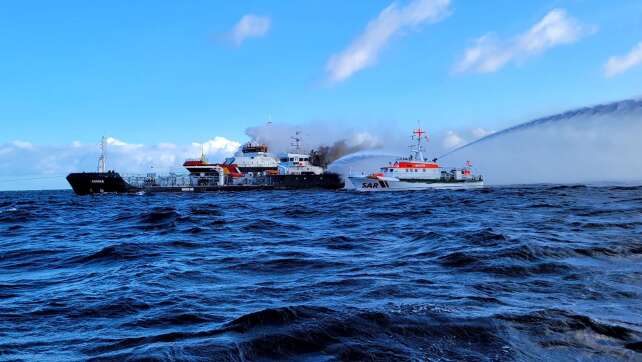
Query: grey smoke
(325, 143)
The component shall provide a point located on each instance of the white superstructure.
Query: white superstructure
(254, 157)
(297, 164)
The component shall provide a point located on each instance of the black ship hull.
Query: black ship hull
(87, 183)
(328, 181)
(257, 169)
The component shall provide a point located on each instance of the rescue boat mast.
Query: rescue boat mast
(419, 134)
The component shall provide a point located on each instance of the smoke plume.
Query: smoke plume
(325, 144)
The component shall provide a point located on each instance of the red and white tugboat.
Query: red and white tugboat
(416, 173)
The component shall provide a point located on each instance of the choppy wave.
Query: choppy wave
(500, 274)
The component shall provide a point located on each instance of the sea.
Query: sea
(513, 273)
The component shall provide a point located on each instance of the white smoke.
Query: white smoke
(597, 144)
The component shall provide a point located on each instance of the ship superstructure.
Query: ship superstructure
(253, 157)
(415, 172)
(296, 162)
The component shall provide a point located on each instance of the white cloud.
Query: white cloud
(555, 28)
(218, 145)
(619, 64)
(488, 53)
(364, 50)
(165, 145)
(250, 26)
(116, 142)
(22, 145)
(452, 140)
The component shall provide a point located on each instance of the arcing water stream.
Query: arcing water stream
(593, 144)
(587, 145)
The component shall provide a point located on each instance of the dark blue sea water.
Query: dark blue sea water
(499, 274)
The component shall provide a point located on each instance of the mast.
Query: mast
(101, 159)
(203, 159)
(419, 135)
(296, 142)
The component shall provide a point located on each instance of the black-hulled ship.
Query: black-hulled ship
(288, 171)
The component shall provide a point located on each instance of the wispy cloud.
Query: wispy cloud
(364, 50)
(619, 64)
(489, 53)
(23, 145)
(250, 26)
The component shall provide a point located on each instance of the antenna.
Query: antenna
(296, 141)
(203, 153)
(419, 134)
(101, 159)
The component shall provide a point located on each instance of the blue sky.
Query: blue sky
(149, 71)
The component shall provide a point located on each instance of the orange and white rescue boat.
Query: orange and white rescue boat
(417, 173)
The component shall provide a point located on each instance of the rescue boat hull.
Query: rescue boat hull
(365, 183)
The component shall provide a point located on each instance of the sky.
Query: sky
(163, 78)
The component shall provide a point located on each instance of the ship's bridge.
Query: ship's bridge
(297, 164)
(293, 158)
(413, 170)
(253, 147)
